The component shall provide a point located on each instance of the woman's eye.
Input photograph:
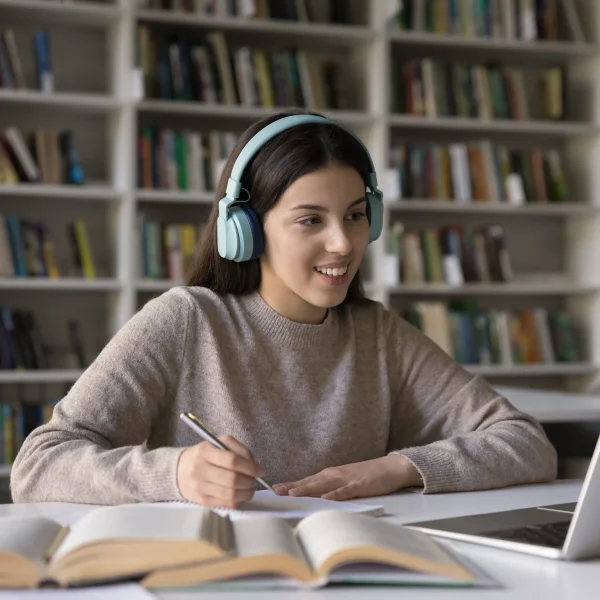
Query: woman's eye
(358, 215)
(309, 221)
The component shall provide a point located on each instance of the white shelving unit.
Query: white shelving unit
(94, 63)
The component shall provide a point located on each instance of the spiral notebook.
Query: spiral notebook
(290, 507)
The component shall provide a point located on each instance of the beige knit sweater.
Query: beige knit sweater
(302, 397)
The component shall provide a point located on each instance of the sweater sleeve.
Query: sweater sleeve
(93, 449)
(456, 430)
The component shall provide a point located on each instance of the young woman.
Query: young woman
(317, 389)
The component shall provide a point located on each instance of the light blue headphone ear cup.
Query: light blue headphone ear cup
(247, 234)
(375, 214)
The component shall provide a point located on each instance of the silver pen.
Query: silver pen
(205, 433)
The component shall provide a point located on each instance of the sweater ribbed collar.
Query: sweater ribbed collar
(282, 330)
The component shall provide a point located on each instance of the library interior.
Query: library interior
(482, 119)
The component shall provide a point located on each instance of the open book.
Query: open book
(327, 546)
(181, 546)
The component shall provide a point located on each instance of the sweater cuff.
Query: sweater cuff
(159, 481)
(436, 467)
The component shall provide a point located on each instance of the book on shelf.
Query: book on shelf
(168, 249)
(80, 250)
(177, 546)
(526, 20)
(182, 160)
(44, 156)
(478, 171)
(207, 68)
(474, 336)
(320, 11)
(21, 345)
(453, 254)
(12, 73)
(17, 420)
(11, 68)
(43, 61)
(28, 251)
(434, 88)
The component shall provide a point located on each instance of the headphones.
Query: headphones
(239, 232)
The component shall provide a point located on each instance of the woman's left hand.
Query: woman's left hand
(358, 480)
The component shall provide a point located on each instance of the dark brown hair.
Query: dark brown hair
(283, 159)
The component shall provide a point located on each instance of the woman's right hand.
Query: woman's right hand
(213, 477)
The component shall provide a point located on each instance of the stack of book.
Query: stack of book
(27, 251)
(452, 254)
(506, 19)
(323, 11)
(50, 157)
(205, 68)
(167, 249)
(12, 73)
(22, 346)
(496, 337)
(182, 160)
(430, 88)
(478, 171)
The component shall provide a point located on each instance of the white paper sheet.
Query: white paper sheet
(290, 507)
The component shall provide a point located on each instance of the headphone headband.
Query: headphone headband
(266, 133)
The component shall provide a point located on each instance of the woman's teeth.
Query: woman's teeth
(333, 272)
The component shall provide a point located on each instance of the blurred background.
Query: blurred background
(482, 119)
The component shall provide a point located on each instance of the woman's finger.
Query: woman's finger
(225, 496)
(232, 462)
(317, 487)
(346, 492)
(227, 478)
(286, 487)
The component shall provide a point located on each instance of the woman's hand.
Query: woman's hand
(358, 480)
(213, 477)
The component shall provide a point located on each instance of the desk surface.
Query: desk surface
(521, 576)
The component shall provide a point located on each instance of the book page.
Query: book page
(266, 535)
(324, 534)
(28, 536)
(124, 591)
(138, 521)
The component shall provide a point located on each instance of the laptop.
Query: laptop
(560, 531)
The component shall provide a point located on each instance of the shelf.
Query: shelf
(550, 209)
(62, 192)
(236, 111)
(67, 284)
(532, 370)
(332, 35)
(517, 288)
(4, 470)
(553, 406)
(41, 376)
(515, 127)
(88, 103)
(75, 13)
(174, 197)
(551, 50)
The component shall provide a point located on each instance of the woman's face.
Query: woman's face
(315, 239)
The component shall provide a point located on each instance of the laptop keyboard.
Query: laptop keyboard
(551, 535)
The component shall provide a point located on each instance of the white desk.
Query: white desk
(523, 577)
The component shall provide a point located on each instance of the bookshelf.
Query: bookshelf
(554, 246)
